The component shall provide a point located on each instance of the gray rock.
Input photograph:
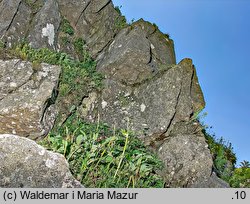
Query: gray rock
(137, 53)
(212, 182)
(25, 164)
(93, 20)
(8, 9)
(152, 107)
(19, 26)
(27, 94)
(160, 109)
(44, 26)
(186, 156)
(162, 47)
(37, 22)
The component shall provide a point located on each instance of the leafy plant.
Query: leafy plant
(75, 74)
(240, 178)
(101, 157)
(79, 48)
(224, 162)
(66, 27)
(223, 156)
(118, 9)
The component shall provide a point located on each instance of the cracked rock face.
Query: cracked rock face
(38, 22)
(93, 20)
(186, 156)
(43, 32)
(26, 97)
(137, 53)
(25, 164)
(153, 107)
(144, 88)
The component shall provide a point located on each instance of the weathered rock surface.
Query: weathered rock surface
(144, 88)
(160, 109)
(27, 94)
(93, 20)
(38, 22)
(25, 164)
(186, 156)
(8, 9)
(212, 182)
(44, 27)
(154, 106)
(137, 53)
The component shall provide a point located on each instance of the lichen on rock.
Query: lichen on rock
(26, 94)
(24, 164)
(144, 88)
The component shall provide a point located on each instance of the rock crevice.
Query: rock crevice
(144, 88)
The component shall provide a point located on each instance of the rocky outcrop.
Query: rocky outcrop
(155, 105)
(25, 164)
(159, 110)
(93, 20)
(27, 94)
(144, 89)
(137, 53)
(186, 156)
(39, 23)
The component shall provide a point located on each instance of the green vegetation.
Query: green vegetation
(82, 54)
(101, 157)
(245, 164)
(98, 156)
(120, 21)
(77, 78)
(118, 9)
(240, 178)
(223, 156)
(65, 40)
(65, 27)
(224, 162)
(75, 74)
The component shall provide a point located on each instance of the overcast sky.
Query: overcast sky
(216, 35)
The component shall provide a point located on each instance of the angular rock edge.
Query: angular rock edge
(25, 164)
(96, 22)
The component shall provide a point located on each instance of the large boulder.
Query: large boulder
(137, 53)
(150, 108)
(186, 155)
(25, 164)
(27, 94)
